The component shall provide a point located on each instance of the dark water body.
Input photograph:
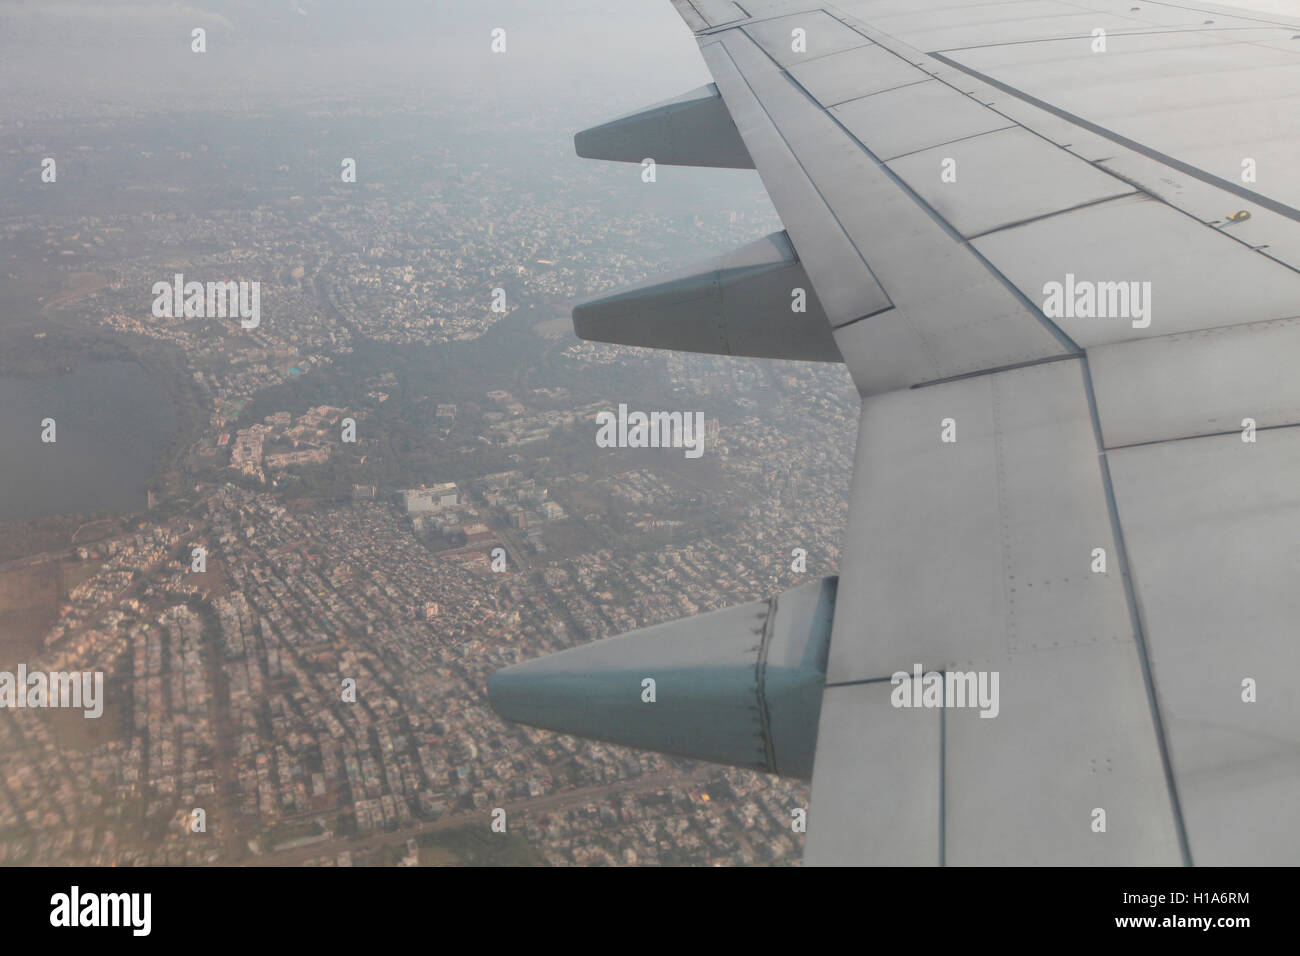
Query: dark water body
(113, 425)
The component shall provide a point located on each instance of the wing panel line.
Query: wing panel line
(1272, 205)
(907, 190)
(803, 169)
(1135, 616)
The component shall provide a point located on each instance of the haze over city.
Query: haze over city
(324, 560)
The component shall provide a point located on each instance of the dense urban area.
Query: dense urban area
(353, 513)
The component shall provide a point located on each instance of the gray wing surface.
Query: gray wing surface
(1066, 235)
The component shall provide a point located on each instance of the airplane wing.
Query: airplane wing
(1057, 245)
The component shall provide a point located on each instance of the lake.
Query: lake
(113, 424)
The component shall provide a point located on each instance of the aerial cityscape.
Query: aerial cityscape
(295, 544)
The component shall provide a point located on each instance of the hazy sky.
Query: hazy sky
(133, 52)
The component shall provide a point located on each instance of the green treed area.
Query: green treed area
(477, 846)
(404, 442)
